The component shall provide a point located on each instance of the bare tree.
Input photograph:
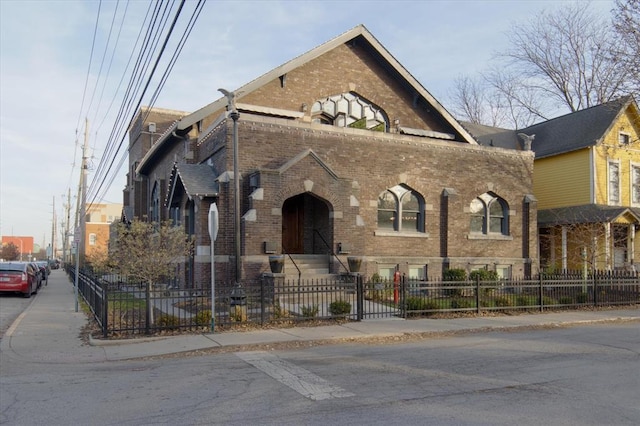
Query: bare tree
(494, 99)
(469, 100)
(626, 24)
(520, 106)
(10, 252)
(558, 61)
(563, 57)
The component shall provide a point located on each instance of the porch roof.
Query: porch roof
(588, 213)
(198, 180)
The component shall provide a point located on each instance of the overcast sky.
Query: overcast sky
(48, 88)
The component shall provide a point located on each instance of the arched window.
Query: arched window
(349, 110)
(155, 204)
(489, 215)
(401, 209)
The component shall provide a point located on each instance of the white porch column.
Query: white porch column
(631, 235)
(607, 246)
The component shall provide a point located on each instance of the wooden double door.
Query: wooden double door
(305, 225)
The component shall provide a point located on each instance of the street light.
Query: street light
(234, 114)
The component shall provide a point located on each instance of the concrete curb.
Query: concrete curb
(115, 342)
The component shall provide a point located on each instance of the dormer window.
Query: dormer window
(349, 110)
(624, 138)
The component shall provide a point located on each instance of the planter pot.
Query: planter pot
(355, 262)
(276, 263)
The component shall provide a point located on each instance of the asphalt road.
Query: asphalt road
(582, 375)
(11, 306)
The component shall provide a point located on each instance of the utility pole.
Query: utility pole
(53, 231)
(65, 236)
(83, 187)
(78, 235)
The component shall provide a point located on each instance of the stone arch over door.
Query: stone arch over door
(306, 225)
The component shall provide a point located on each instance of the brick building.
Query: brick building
(341, 153)
(98, 221)
(24, 245)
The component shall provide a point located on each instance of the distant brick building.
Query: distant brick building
(341, 152)
(24, 244)
(99, 218)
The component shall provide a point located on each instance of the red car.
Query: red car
(19, 277)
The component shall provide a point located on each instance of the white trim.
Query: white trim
(594, 175)
(426, 133)
(628, 135)
(633, 165)
(492, 236)
(269, 111)
(383, 233)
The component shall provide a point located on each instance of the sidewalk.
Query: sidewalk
(50, 330)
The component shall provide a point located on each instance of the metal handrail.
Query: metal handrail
(292, 261)
(334, 254)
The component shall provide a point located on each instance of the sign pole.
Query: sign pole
(76, 243)
(213, 235)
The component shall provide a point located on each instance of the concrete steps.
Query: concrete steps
(310, 265)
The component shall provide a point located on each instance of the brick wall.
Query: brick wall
(346, 170)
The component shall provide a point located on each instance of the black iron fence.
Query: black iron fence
(125, 308)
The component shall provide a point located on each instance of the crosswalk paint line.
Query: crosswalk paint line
(302, 381)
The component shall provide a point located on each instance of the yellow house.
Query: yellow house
(587, 183)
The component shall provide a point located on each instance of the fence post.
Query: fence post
(540, 292)
(105, 308)
(595, 288)
(403, 297)
(262, 280)
(359, 298)
(478, 294)
(148, 310)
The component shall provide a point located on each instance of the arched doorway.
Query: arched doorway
(306, 226)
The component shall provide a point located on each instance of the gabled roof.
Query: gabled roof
(492, 136)
(588, 213)
(359, 33)
(156, 148)
(577, 130)
(198, 180)
(307, 153)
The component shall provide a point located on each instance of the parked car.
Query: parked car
(20, 277)
(46, 270)
(39, 273)
(54, 264)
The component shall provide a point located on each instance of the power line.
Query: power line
(109, 155)
(148, 82)
(116, 128)
(86, 81)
